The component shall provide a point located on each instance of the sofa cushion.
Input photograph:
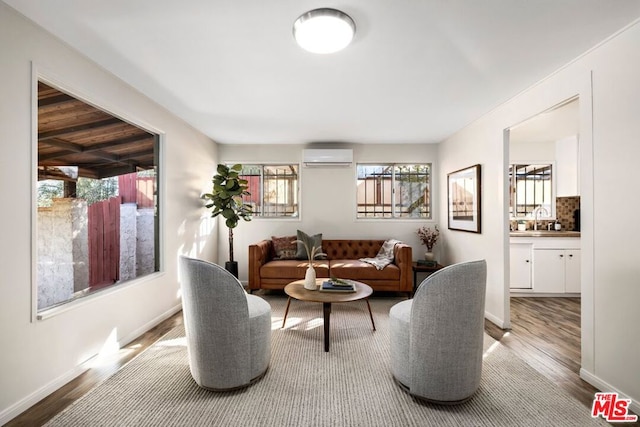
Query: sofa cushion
(284, 247)
(361, 271)
(292, 269)
(312, 242)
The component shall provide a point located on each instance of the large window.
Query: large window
(394, 191)
(97, 200)
(531, 187)
(273, 188)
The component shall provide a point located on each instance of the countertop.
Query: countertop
(544, 233)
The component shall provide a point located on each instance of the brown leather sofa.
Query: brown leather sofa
(342, 262)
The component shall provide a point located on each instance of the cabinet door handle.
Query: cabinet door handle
(561, 256)
(526, 260)
(570, 255)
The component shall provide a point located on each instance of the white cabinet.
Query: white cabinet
(572, 278)
(520, 265)
(545, 264)
(567, 171)
(556, 270)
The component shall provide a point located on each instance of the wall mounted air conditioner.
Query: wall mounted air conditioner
(327, 156)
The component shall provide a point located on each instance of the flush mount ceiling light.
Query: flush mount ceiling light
(324, 30)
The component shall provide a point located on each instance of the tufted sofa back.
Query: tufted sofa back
(351, 249)
(261, 254)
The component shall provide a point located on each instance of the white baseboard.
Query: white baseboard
(150, 324)
(604, 386)
(22, 405)
(19, 407)
(496, 320)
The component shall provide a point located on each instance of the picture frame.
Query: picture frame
(463, 199)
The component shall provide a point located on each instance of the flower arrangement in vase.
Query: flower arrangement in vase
(310, 275)
(428, 238)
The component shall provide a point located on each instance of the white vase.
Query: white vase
(429, 256)
(310, 279)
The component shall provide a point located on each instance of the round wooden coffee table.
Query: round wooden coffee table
(297, 291)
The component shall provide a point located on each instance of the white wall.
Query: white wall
(327, 199)
(37, 357)
(609, 152)
(532, 152)
(481, 144)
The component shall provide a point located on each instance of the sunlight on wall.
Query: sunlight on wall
(195, 235)
(111, 345)
(109, 353)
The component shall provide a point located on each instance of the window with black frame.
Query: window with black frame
(393, 191)
(273, 190)
(531, 186)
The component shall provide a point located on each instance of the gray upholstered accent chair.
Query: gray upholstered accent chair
(437, 337)
(228, 331)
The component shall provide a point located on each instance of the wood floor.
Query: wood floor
(545, 333)
(48, 407)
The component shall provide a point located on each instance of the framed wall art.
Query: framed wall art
(463, 191)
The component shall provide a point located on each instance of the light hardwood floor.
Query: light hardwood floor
(545, 333)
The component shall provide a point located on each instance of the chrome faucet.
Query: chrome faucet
(536, 211)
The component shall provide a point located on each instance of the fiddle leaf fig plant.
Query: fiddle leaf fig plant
(226, 199)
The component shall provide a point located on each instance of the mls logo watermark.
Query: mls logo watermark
(612, 408)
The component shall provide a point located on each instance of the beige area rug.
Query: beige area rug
(304, 386)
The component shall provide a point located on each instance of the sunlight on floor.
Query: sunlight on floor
(276, 323)
(490, 349)
(314, 323)
(297, 323)
(493, 346)
(176, 342)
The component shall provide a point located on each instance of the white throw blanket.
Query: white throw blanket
(385, 255)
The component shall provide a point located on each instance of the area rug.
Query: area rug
(349, 386)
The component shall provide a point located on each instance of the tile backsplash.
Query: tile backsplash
(565, 206)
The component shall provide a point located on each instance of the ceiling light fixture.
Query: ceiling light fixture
(324, 30)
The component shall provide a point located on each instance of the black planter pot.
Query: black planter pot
(232, 267)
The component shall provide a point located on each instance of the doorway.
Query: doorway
(544, 198)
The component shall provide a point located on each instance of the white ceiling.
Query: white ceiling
(417, 71)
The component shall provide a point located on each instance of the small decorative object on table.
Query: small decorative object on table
(428, 238)
(428, 263)
(310, 275)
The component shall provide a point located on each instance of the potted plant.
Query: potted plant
(428, 238)
(226, 199)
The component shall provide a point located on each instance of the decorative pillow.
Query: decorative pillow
(314, 241)
(285, 247)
